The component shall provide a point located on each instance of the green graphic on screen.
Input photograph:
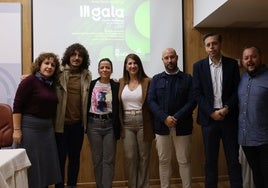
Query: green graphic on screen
(115, 28)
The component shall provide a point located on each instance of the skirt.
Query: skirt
(38, 139)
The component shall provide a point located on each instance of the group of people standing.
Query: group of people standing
(64, 99)
(232, 109)
(50, 116)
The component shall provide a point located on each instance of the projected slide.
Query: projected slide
(110, 28)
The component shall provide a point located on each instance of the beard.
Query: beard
(254, 72)
(171, 67)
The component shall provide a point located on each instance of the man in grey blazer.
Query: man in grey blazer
(215, 82)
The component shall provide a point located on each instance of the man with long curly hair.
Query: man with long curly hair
(71, 120)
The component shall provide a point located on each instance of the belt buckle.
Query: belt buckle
(103, 116)
(133, 112)
(106, 116)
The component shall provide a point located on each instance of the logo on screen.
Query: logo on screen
(99, 13)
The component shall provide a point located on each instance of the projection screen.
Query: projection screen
(110, 29)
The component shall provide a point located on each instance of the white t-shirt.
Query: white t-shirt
(132, 99)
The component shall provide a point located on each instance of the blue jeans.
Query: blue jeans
(103, 147)
(70, 144)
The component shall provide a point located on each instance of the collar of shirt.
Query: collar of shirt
(211, 63)
(172, 73)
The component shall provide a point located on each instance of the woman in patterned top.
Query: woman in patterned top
(103, 123)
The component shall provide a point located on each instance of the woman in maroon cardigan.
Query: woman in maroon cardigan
(34, 109)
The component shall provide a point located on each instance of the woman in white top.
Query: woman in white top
(135, 117)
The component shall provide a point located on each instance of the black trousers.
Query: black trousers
(213, 133)
(257, 157)
(69, 145)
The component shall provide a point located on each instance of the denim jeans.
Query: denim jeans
(103, 148)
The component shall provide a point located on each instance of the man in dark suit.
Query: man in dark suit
(215, 81)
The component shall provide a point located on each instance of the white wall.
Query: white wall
(203, 8)
(10, 51)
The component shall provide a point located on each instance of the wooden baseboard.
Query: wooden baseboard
(152, 182)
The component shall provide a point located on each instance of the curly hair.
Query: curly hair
(35, 67)
(141, 73)
(71, 51)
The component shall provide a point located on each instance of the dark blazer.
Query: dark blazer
(148, 134)
(203, 89)
(158, 100)
(115, 104)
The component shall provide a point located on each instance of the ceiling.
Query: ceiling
(239, 14)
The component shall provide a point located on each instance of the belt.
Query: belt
(101, 116)
(132, 112)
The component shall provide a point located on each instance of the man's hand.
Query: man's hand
(170, 121)
(223, 111)
(217, 116)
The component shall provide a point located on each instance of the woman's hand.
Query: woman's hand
(17, 135)
(22, 77)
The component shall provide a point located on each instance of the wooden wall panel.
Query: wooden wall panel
(234, 41)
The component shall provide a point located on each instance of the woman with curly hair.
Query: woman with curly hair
(34, 109)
